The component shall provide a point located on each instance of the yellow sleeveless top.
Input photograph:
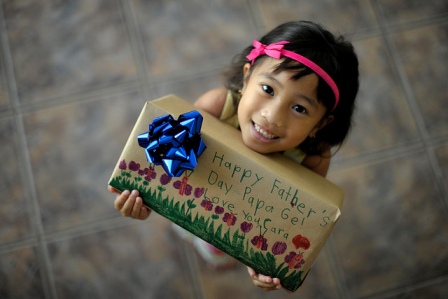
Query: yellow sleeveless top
(230, 116)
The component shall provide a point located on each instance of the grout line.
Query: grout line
(439, 19)
(89, 228)
(336, 267)
(47, 278)
(215, 66)
(255, 19)
(22, 243)
(135, 37)
(147, 81)
(413, 106)
(193, 268)
(83, 96)
(404, 291)
(369, 158)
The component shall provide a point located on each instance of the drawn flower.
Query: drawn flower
(122, 165)
(198, 192)
(279, 248)
(294, 260)
(183, 186)
(229, 218)
(301, 242)
(219, 210)
(207, 205)
(143, 172)
(134, 166)
(260, 242)
(165, 179)
(246, 226)
(151, 175)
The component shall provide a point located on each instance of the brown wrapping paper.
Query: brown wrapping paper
(267, 211)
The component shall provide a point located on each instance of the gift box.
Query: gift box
(266, 211)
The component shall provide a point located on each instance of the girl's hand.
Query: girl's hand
(265, 282)
(130, 204)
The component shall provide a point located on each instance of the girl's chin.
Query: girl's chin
(258, 147)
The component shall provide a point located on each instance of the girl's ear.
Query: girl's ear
(246, 74)
(325, 121)
(246, 69)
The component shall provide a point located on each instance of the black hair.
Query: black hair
(333, 54)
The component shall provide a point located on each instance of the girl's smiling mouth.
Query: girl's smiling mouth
(264, 133)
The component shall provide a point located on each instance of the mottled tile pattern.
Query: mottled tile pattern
(188, 36)
(383, 119)
(441, 153)
(137, 261)
(400, 223)
(402, 11)
(342, 16)
(4, 99)
(14, 217)
(73, 78)
(189, 88)
(71, 146)
(20, 274)
(421, 52)
(61, 48)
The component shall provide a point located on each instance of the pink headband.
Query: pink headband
(275, 50)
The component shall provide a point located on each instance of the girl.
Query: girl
(292, 92)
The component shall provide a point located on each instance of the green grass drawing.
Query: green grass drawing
(234, 244)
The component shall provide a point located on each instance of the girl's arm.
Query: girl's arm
(212, 101)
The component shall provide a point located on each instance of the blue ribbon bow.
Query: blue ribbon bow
(174, 144)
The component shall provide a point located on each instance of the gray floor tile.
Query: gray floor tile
(136, 261)
(383, 119)
(14, 217)
(61, 48)
(403, 11)
(4, 97)
(20, 275)
(421, 52)
(83, 71)
(393, 235)
(342, 16)
(184, 35)
(73, 150)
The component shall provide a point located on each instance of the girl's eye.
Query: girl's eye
(267, 89)
(300, 109)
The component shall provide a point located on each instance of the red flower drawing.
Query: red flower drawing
(300, 241)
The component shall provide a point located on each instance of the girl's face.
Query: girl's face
(277, 113)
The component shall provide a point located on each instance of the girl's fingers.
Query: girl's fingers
(265, 282)
(120, 200)
(127, 208)
(144, 213)
(139, 211)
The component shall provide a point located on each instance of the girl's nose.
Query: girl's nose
(272, 113)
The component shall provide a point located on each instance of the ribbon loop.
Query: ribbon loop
(174, 144)
(273, 50)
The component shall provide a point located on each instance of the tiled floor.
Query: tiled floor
(74, 76)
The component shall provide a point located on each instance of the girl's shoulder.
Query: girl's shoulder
(212, 101)
(318, 163)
